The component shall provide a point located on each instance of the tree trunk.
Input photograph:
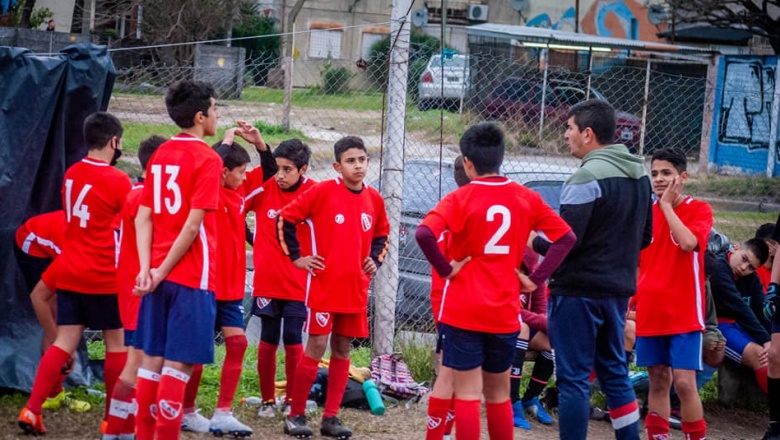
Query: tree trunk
(27, 10)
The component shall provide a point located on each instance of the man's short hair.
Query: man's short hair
(759, 248)
(99, 128)
(483, 145)
(765, 231)
(599, 116)
(185, 99)
(295, 151)
(233, 155)
(459, 172)
(674, 156)
(347, 143)
(147, 147)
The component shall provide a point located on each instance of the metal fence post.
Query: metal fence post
(544, 92)
(643, 129)
(288, 80)
(707, 111)
(386, 282)
(773, 125)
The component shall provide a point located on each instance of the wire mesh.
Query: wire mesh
(527, 91)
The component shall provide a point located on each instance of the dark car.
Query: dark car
(425, 182)
(523, 96)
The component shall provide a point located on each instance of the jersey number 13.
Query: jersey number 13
(173, 202)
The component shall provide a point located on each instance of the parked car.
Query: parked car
(425, 182)
(523, 96)
(443, 84)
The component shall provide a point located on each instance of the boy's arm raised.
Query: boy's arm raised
(680, 233)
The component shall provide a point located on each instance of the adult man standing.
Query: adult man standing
(607, 202)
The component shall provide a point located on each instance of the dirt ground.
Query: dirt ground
(397, 424)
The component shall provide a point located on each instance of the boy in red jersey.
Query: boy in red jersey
(121, 413)
(489, 220)
(764, 272)
(670, 299)
(236, 182)
(349, 230)
(279, 286)
(176, 233)
(441, 404)
(93, 193)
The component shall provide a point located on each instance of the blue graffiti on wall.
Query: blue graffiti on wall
(543, 20)
(626, 18)
(746, 104)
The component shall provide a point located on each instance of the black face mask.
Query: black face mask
(117, 155)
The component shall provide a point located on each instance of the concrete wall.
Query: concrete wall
(63, 13)
(742, 117)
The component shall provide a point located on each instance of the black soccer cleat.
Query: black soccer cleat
(332, 427)
(296, 426)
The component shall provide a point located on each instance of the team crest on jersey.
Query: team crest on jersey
(170, 410)
(339, 218)
(322, 318)
(272, 213)
(433, 422)
(262, 302)
(366, 221)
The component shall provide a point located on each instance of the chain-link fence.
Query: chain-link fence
(528, 91)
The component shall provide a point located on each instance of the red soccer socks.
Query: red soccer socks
(304, 378)
(266, 370)
(292, 356)
(48, 374)
(146, 395)
(235, 347)
(467, 422)
(170, 405)
(338, 375)
(657, 427)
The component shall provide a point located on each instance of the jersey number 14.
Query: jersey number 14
(78, 209)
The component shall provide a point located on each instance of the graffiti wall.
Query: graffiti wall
(743, 114)
(607, 18)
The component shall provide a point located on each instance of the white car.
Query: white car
(443, 83)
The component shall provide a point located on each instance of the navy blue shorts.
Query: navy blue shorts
(466, 350)
(93, 311)
(32, 267)
(278, 308)
(229, 314)
(130, 339)
(177, 323)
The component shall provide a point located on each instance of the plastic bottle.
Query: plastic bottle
(374, 398)
(251, 401)
(311, 406)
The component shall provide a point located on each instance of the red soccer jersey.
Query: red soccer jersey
(42, 236)
(184, 174)
(343, 225)
(437, 282)
(765, 275)
(490, 220)
(127, 265)
(670, 296)
(231, 251)
(93, 194)
(275, 275)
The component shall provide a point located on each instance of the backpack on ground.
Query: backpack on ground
(393, 378)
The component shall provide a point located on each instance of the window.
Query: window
(323, 42)
(369, 39)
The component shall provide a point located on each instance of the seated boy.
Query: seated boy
(739, 300)
(490, 220)
(349, 242)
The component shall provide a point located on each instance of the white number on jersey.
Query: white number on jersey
(506, 219)
(172, 204)
(79, 209)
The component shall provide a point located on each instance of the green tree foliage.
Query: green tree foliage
(261, 53)
(421, 48)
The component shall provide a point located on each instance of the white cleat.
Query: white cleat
(194, 422)
(224, 423)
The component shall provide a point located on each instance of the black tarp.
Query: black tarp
(43, 104)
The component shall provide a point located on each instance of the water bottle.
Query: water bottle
(311, 406)
(374, 399)
(251, 401)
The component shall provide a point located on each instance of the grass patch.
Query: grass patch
(741, 226)
(453, 125)
(419, 359)
(314, 98)
(739, 187)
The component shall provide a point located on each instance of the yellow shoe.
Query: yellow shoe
(76, 405)
(54, 402)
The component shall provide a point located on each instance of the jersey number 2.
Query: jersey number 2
(79, 209)
(172, 204)
(506, 219)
